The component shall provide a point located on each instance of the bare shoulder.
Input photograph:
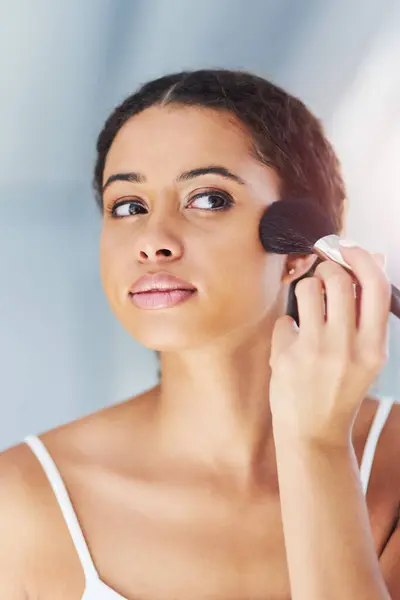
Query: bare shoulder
(32, 528)
(104, 435)
(18, 521)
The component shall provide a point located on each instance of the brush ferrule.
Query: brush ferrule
(328, 248)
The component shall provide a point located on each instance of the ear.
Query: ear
(297, 265)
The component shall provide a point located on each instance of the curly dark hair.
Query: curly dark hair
(286, 135)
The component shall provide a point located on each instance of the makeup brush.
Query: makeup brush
(303, 227)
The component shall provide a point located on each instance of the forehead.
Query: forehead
(173, 138)
(162, 142)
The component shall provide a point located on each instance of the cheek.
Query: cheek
(245, 277)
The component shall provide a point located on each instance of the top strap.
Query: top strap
(60, 491)
(381, 416)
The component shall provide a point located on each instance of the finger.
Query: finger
(341, 318)
(284, 333)
(381, 260)
(311, 308)
(375, 298)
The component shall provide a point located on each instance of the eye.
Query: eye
(211, 200)
(127, 208)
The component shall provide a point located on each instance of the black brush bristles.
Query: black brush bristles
(294, 226)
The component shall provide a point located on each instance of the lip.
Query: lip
(164, 299)
(160, 290)
(160, 282)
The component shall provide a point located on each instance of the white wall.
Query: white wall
(63, 67)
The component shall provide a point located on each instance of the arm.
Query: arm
(329, 544)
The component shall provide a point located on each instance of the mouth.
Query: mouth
(160, 290)
(161, 298)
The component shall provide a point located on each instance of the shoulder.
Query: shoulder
(114, 426)
(17, 482)
(111, 439)
(19, 520)
(32, 528)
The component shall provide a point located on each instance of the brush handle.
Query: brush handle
(395, 301)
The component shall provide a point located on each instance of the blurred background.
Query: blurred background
(63, 67)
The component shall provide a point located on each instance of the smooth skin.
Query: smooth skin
(177, 490)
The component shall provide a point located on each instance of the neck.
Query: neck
(214, 406)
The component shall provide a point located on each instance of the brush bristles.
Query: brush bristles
(293, 226)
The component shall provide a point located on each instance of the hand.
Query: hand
(322, 370)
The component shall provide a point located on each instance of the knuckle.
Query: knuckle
(339, 358)
(374, 359)
(328, 268)
(341, 280)
(335, 275)
(314, 352)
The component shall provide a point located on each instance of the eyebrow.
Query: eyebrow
(185, 176)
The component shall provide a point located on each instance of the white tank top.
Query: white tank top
(95, 588)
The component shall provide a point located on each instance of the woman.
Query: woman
(235, 476)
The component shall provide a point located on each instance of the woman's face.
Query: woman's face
(190, 208)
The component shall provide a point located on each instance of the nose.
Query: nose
(158, 245)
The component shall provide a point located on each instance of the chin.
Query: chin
(176, 335)
(189, 326)
(167, 332)
(167, 340)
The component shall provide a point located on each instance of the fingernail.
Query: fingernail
(348, 243)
